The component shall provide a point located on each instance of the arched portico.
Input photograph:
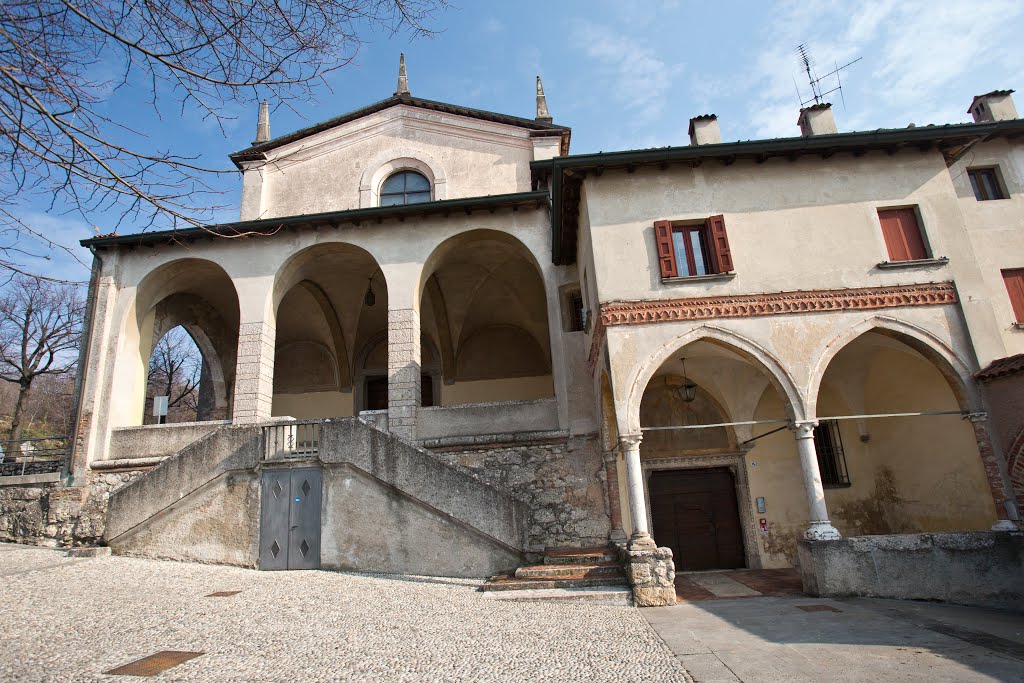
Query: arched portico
(918, 470)
(194, 293)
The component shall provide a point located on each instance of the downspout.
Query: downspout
(68, 475)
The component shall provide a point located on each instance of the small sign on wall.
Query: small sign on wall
(764, 525)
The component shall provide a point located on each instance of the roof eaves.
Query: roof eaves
(269, 226)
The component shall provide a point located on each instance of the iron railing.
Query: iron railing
(290, 440)
(21, 457)
(828, 442)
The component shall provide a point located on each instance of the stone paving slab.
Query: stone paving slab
(769, 639)
(78, 618)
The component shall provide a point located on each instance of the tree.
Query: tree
(175, 369)
(40, 326)
(62, 61)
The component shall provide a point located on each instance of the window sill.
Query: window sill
(837, 486)
(714, 277)
(916, 263)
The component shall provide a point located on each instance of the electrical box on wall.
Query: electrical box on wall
(760, 505)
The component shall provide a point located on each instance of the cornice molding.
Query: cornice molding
(755, 305)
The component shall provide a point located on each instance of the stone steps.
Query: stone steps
(510, 583)
(568, 571)
(619, 596)
(598, 555)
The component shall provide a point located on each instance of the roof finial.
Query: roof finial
(542, 104)
(263, 126)
(403, 80)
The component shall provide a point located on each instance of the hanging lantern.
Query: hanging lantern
(688, 391)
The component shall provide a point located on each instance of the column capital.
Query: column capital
(630, 441)
(804, 429)
(977, 417)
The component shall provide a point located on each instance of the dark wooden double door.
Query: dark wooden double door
(694, 512)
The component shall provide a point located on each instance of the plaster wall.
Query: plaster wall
(313, 405)
(995, 227)
(487, 418)
(488, 390)
(369, 526)
(805, 225)
(337, 169)
(156, 440)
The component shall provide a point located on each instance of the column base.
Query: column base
(641, 542)
(822, 531)
(1005, 525)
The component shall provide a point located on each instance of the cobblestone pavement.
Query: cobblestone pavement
(72, 619)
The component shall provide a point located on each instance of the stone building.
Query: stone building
(476, 347)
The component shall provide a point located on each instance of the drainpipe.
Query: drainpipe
(68, 475)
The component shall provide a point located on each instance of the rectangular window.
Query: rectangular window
(691, 250)
(985, 184)
(831, 459)
(1014, 281)
(577, 317)
(902, 233)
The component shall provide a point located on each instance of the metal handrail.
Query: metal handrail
(14, 462)
(291, 440)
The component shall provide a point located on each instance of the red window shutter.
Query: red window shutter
(719, 241)
(666, 251)
(1014, 281)
(902, 234)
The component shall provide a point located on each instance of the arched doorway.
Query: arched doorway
(185, 317)
(700, 495)
(484, 309)
(331, 302)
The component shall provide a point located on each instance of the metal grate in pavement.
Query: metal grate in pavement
(818, 608)
(153, 664)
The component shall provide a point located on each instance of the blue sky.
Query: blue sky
(630, 75)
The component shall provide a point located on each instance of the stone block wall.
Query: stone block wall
(56, 515)
(562, 480)
(254, 378)
(652, 574)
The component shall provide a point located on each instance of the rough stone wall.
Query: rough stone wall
(563, 482)
(57, 515)
(652, 574)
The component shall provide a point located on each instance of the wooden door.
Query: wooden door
(694, 512)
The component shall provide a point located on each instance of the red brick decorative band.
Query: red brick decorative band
(782, 303)
(749, 305)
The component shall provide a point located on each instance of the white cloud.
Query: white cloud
(922, 60)
(635, 76)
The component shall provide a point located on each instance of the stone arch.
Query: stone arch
(940, 354)
(483, 302)
(382, 165)
(754, 353)
(195, 293)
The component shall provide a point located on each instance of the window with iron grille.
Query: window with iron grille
(831, 459)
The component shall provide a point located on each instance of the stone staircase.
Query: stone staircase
(591, 575)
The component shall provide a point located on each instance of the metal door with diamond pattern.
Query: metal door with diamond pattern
(290, 519)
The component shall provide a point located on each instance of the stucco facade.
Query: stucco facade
(520, 325)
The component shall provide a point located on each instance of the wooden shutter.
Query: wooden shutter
(666, 250)
(721, 255)
(902, 234)
(1014, 281)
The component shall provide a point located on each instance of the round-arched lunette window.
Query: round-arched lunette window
(405, 187)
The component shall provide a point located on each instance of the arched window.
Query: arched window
(405, 187)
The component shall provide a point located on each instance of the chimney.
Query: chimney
(994, 106)
(817, 119)
(263, 124)
(704, 130)
(543, 115)
(403, 79)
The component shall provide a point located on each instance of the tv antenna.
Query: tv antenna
(818, 83)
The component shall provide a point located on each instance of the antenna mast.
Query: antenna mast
(816, 82)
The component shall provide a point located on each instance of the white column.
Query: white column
(254, 374)
(821, 528)
(403, 371)
(641, 536)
